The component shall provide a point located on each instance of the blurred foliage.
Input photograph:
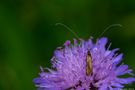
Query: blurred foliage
(28, 35)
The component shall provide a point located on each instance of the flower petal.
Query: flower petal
(67, 43)
(125, 80)
(121, 70)
(117, 85)
(103, 87)
(118, 59)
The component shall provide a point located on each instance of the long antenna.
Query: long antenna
(67, 29)
(108, 28)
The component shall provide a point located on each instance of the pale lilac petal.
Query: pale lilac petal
(104, 87)
(118, 59)
(117, 85)
(102, 42)
(121, 69)
(117, 89)
(67, 43)
(126, 80)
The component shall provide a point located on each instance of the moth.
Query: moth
(88, 63)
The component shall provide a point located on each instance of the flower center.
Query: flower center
(75, 87)
(80, 84)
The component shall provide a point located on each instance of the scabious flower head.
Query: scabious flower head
(70, 64)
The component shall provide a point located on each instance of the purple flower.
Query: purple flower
(85, 66)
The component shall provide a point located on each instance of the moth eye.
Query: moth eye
(88, 64)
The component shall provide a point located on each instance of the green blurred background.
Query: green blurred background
(28, 35)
